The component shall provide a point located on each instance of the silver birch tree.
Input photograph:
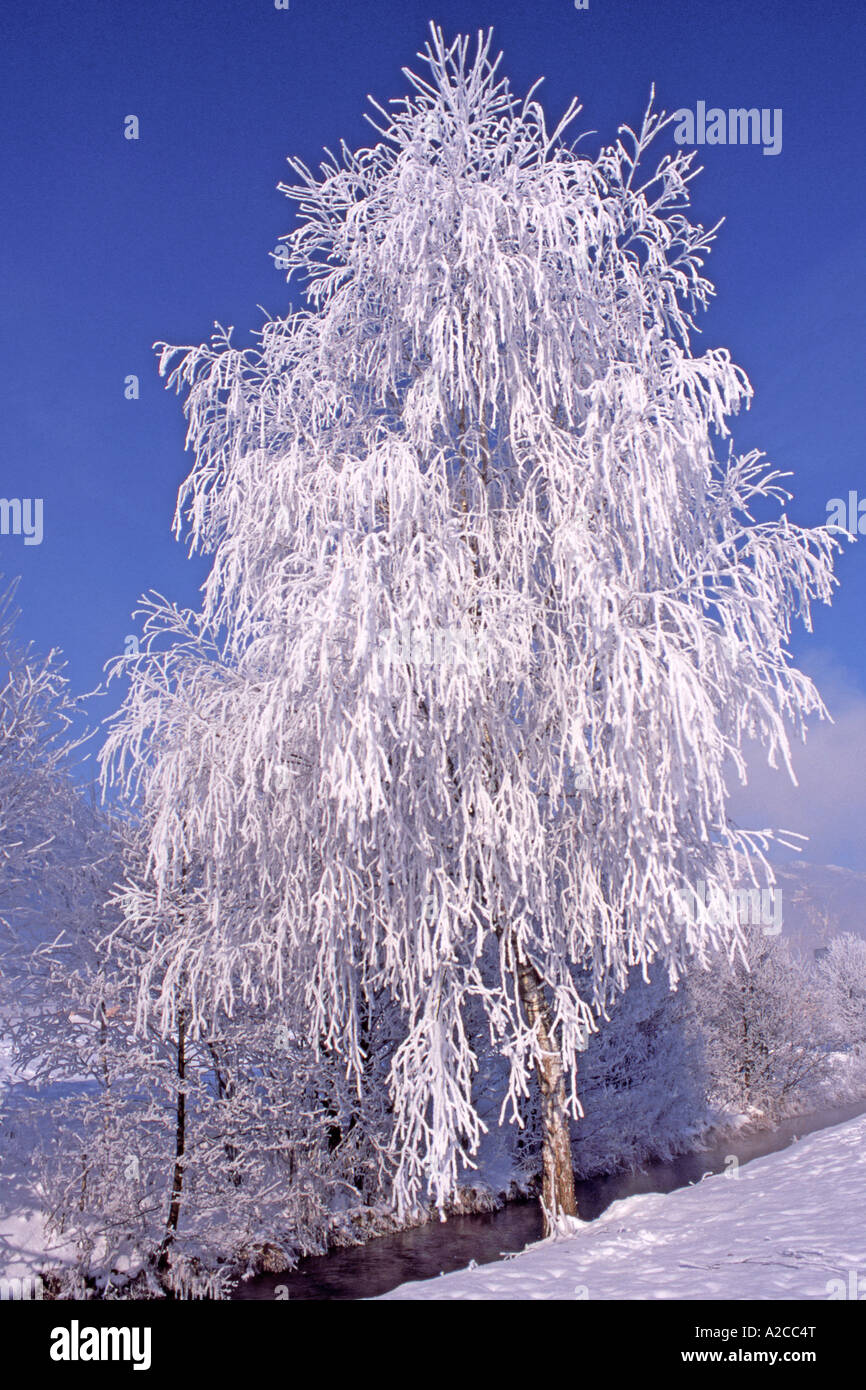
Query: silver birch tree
(493, 608)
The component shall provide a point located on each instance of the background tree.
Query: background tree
(489, 615)
(762, 1027)
(842, 974)
(47, 827)
(644, 1080)
(165, 1163)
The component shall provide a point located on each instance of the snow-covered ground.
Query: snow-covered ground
(791, 1225)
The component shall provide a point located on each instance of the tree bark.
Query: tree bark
(557, 1194)
(225, 1092)
(179, 1144)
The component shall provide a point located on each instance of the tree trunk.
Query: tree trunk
(225, 1092)
(179, 1144)
(557, 1192)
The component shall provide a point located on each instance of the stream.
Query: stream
(365, 1271)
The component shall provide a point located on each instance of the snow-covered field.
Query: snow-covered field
(791, 1225)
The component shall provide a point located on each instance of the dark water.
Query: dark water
(444, 1246)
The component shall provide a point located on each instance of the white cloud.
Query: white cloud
(829, 804)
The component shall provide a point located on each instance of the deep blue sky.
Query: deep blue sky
(112, 244)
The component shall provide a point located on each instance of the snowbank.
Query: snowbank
(791, 1225)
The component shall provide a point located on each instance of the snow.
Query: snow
(24, 1245)
(788, 1226)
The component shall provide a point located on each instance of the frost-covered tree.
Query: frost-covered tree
(842, 974)
(57, 859)
(43, 818)
(643, 1085)
(55, 847)
(762, 1026)
(489, 615)
(165, 1162)
(158, 1160)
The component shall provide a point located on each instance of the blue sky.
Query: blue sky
(111, 244)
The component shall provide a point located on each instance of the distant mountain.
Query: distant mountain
(820, 901)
